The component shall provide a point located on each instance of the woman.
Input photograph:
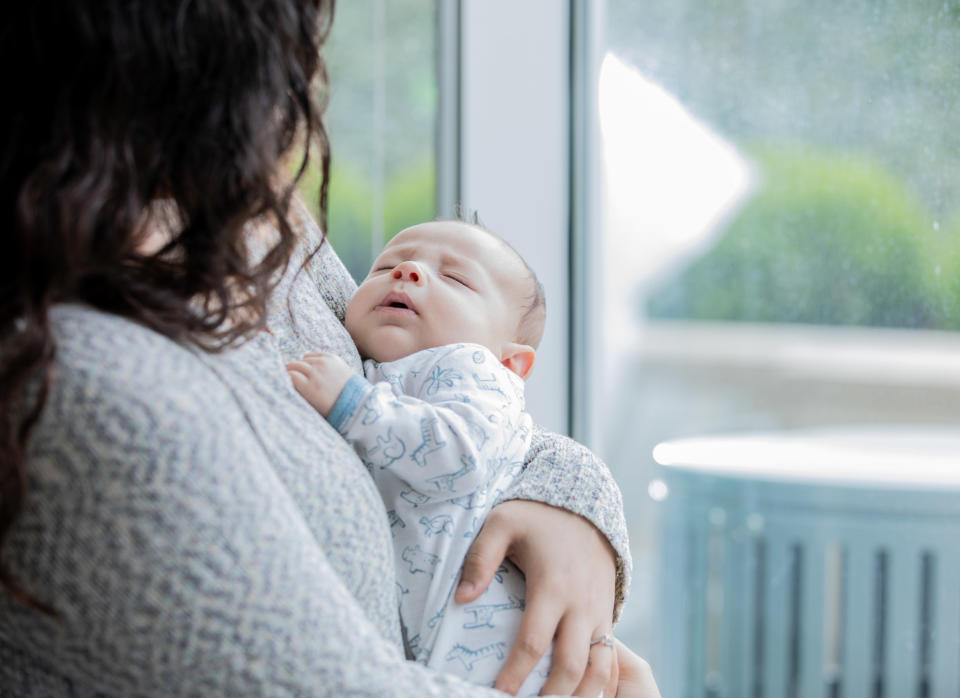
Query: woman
(174, 520)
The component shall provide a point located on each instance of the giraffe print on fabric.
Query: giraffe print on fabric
(461, 413)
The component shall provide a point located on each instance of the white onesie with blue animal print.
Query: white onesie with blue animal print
(443, 433)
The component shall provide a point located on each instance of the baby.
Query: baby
(448, 319)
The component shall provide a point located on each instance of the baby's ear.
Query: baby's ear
(518, 358)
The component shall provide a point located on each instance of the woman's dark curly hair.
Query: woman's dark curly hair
(113, 105)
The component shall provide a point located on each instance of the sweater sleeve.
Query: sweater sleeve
(565, 474)
(177, 562)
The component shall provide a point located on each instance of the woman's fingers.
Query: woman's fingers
(610, 690)
(636, 678)
(571, 649)
(483, 559)
(600, 663)
(570, 573)
(534, 636)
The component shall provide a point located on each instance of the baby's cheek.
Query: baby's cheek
(350, 319)
(353, 321)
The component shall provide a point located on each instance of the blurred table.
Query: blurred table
(811, 563)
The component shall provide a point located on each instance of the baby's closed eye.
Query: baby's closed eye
(455, 277)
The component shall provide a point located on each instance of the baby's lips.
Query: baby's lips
(397, 297)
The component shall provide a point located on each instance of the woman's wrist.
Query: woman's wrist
(565, 474)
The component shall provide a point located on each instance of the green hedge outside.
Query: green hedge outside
(409, 198)
(830, 238)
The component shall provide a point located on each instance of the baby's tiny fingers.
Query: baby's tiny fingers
(320, 359)
(300, 367)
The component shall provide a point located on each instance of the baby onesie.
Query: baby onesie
(443, 432)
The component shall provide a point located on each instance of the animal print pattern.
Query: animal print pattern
(449, 425)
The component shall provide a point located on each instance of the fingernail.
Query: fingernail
(466, 587)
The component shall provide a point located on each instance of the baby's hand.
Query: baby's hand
(320, 379)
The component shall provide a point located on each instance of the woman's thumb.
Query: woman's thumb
(482, 561)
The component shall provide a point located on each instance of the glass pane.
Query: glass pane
(782, 231)
(845, 111)
(381, 120)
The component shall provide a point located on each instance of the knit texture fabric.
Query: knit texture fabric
(202, 531)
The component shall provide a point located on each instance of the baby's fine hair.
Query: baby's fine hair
(530, 327)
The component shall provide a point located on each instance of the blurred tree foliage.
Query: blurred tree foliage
(405, 162)
(857, 219)
(409, 199)
(830, 238)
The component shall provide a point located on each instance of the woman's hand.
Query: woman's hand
(631, 676)
(570, 572)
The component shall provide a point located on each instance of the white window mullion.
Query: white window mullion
(515, 160)
(588, 371)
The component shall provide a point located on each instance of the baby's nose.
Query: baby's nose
(408, 271)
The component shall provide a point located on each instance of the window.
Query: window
(781, 247)
(764, 199)
(382, 123)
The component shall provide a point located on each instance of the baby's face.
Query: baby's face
(438, 283)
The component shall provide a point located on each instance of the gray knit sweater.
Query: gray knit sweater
(201, 531)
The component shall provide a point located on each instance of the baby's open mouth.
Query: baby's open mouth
(398, 301)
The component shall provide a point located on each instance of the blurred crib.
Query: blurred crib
(817, 564)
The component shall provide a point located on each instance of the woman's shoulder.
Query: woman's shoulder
(126, 403)
(81, 328)
(120, 378)
(113, 351)
(324, 267)
(307, 308)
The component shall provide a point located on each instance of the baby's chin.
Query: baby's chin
(383, 356)
(388, 348)
(392, 342)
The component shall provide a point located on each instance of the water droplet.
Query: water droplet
(717, 516)
(658, 490)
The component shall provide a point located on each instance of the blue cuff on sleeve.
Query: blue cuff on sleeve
(350, 398)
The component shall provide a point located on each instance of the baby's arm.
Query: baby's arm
(320, 379)
(463, 426)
